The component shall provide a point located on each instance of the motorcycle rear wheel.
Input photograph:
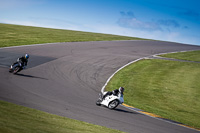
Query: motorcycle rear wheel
(113, 104)
(16, 70)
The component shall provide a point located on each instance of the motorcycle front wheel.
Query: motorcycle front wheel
(10, 70)
(113, 104)
(98, 102)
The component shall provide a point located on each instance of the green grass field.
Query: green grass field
(15, 118)
(170, 89)
(190, 56)
(15, 35)
(18, 119)
(166, 88)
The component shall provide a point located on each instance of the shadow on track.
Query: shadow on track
(30, 76)
(125, 111)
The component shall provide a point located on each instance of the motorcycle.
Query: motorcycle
(111, 101)
(16, 67)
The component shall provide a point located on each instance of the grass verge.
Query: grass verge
(190, 56)
(15, 35)
(170, 89)
(14, 118)
(18, 119)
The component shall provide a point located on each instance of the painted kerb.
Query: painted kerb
(139, 110)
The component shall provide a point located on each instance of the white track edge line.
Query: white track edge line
(103, 88)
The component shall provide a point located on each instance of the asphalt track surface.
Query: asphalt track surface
(65, 79)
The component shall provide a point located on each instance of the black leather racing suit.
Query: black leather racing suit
(22, 60)
(114, 92)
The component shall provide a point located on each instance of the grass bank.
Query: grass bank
(190, 56)
(170, 89)
(14, 118)
(18, 119)
(15, 35)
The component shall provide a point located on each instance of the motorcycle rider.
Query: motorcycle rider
(114, 92)
(23, 60)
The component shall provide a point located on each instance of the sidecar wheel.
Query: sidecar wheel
(113, 104)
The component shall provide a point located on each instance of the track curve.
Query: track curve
(65, 79)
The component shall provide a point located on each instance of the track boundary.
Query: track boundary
(103, 88)
(28, 45)
(139, 110)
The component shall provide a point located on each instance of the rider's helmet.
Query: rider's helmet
(121, 90)
(26, 56)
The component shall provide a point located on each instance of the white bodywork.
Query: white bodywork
(111, 98)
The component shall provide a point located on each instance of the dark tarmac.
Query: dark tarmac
(65, 79)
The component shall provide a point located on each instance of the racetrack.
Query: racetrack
(65, 79)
